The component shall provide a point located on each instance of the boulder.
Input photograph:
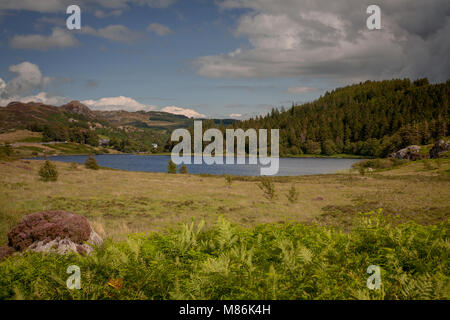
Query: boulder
(53, 231)
(439, 148)
(409, 153)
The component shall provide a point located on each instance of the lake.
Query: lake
(153, 163)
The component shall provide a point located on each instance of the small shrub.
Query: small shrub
(171, 167)
(378, 164)
(183, 169)
(268, 187)
(6, 150)
(228, 180)
(292, 195)
(48, 171)
(91, 163)
(362, 170)
(73, 166)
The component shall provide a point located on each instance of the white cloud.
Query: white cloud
(130, 104)
(156, 3)
(300, 90)
(2, 87)
(117, 33)
(319, 39)
(61, 5)
(59, 38)
(35, 5)
(42, 97)
(118, 103)
(103, 14)
(235, 115)
(190, 113)
(159, 29)
(28, 78)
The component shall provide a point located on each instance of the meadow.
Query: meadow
(173, 236)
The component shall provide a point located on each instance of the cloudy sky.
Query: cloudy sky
(222, 58)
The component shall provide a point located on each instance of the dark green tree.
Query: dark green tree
(91, 163)
(183, 169)
(48, 171)
(171, 167)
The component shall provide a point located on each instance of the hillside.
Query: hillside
(18, 115)
(368, 119)
(142, 119)
(75, 122)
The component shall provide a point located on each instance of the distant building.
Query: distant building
(103, 142)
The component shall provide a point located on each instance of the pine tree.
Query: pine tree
(48, 171)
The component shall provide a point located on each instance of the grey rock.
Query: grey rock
(65, 246)
(439, 148)
(409, 153)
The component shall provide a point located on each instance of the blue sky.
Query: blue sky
(214, 58)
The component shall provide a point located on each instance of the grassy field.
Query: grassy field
(20, 136)
(250, 247)
(120, 202)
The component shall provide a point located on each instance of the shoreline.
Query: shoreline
(307, 156)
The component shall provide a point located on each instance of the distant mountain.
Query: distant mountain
(152, 119)
(142, 119)
(78, 108)
(74, 121)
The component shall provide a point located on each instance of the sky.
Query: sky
(216, 58)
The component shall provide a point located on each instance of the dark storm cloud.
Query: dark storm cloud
(330, 39)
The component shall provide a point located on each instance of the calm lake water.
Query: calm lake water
(149, 163)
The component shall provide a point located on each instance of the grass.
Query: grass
(415, 201)
(272, 261)
(33, 150)
(334, 156)
(20, 136)
(124, 202)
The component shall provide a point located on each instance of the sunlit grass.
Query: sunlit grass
(124, 202)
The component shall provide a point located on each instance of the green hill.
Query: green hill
(75, 122)
(369, 119)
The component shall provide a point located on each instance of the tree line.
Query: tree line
(373, 118)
